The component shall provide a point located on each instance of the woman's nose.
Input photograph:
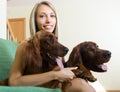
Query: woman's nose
(48, 19)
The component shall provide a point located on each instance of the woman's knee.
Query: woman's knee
(79, 85)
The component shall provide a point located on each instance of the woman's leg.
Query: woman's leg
(79, 85)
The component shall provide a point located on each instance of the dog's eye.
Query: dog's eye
(97, 46)
(90, 49)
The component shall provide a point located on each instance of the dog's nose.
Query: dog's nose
(107, 54)
(66, 50)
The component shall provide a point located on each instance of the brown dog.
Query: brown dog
(39, 54)
(88, 56)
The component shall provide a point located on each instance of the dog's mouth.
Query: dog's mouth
(59, 63)
(52, 57)
(100, 66)
(56, 60)
(103, 67)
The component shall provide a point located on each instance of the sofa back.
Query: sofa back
(7, 54)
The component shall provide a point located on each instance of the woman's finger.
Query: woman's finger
(72, 68)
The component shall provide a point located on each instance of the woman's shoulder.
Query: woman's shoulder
(22, 45)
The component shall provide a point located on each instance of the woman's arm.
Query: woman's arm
(17, 79)
(31, 80)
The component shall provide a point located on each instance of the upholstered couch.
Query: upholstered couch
(7, 54)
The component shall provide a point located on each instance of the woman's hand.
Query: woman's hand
(65, 74)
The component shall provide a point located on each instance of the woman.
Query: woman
(43, 16)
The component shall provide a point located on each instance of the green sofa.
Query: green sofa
(7, 54)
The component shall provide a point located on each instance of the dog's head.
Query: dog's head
(93, 57)
(90, 55)
(49, 44)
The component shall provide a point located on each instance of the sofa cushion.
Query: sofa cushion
(7, 54)
(27, 89)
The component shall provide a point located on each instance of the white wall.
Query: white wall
(83, 20)
(3, 19)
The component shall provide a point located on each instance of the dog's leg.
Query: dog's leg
(84, 73)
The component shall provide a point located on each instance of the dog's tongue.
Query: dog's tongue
(103, 67)
(59, 62)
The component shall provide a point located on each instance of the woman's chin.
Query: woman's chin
(48, 30)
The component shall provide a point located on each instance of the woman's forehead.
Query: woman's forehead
(43, 9)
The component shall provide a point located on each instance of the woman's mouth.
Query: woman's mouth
(48, 26)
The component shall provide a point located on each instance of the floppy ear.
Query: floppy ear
(32, 52)
(75, 57)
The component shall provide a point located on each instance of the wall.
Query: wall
(3, 19)
(83, 20)
(20, 12)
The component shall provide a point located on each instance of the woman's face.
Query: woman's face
(46, 18)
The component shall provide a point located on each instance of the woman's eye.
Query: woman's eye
(52, 16)
(42, 16)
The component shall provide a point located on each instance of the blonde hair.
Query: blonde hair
(32, 21)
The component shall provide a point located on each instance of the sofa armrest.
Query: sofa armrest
(7, 54)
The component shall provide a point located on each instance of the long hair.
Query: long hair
(32, 21)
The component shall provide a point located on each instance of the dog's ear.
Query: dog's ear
(75, 57)
(32, 52)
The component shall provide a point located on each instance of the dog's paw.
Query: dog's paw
(91, 78)
(77, 72)
(87, 76)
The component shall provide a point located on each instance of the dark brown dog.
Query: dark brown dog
(40, 54)
(88, 56)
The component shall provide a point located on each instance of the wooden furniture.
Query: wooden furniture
(16, 29)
